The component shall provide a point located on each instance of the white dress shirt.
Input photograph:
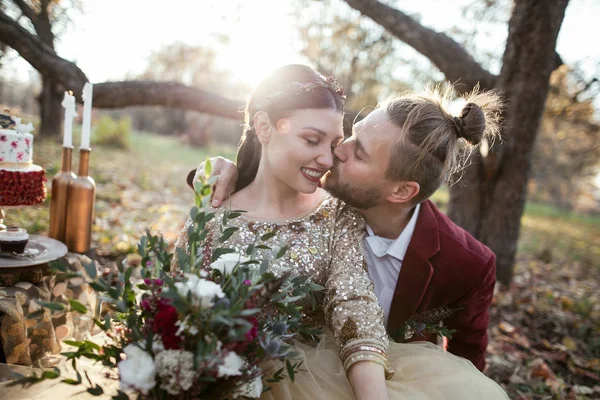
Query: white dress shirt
(384, 259)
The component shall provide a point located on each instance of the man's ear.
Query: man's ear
(403, 192)
(262, 126)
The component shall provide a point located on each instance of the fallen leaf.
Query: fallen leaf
(569, 343)
(584, 390)
(539, 369)
(567, 303)
(560, 356)
(583, 372)
(506, 327)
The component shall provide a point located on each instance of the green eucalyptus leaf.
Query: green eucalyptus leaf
(249, 312)
(264, 267)
(299, 280)
(128, 274)
(268, 236)
(227, 233)
(91, 270)
(219, 252)
(207, 168)
(290, 370)
(290, 299)
(52, 306)
(77, 306)
(120, 396)
(183, 258)
(51, 374)
(281, 252)
(96, 390)
(315, 287)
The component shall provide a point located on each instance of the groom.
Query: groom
(426, 269)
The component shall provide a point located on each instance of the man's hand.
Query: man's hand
(227, 174)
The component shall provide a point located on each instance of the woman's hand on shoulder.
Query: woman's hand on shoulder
(227, 173)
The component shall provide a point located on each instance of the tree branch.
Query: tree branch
(446, 54)
(167, 94)
(113, 94)
(26, 10)
(38, 54)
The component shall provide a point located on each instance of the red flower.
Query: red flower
(164, 325)
(27, 141)
(253, 332)
(20, 155)
(3, 138)
(14, 144)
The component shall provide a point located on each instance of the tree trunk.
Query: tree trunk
(490, 206)
(50, 98)
(51, 110)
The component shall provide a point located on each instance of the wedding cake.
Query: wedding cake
(22, 183)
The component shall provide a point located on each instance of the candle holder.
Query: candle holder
(59, 199)
(81, 194)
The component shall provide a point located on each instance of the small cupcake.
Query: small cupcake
(13, 239)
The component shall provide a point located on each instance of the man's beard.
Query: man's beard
(359, 196)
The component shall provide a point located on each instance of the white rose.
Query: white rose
(252, 389)
(232, 365)
(157, 345)
(227, 262)
(203, 291)
(256, 387)
(137, 371)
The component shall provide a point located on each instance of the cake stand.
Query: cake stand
(17, 268)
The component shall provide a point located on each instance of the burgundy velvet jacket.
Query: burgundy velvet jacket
(445, 266)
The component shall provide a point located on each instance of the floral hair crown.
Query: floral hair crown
(297, 88)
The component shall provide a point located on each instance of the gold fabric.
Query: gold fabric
(327, 246)
(423, 371)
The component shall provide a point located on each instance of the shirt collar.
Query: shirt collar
(398, 247)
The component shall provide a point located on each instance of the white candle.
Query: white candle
(70, 112)
(87, 115)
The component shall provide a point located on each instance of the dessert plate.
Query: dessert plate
(39, 250)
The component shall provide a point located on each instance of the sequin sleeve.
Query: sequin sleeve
(351, 307)
(181, 243)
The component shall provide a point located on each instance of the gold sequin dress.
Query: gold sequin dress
(326, 245)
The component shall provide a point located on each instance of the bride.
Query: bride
(293, 121)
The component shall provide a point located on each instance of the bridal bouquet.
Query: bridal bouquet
(201, 331)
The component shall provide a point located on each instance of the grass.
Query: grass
(167, 149)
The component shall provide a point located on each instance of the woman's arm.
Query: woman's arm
(368, 381)
(352, 310)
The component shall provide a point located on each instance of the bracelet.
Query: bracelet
(371, 357)
(364, 345)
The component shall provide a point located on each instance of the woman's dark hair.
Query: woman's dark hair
(287, 89)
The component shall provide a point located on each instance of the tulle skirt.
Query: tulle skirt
(423, 371)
